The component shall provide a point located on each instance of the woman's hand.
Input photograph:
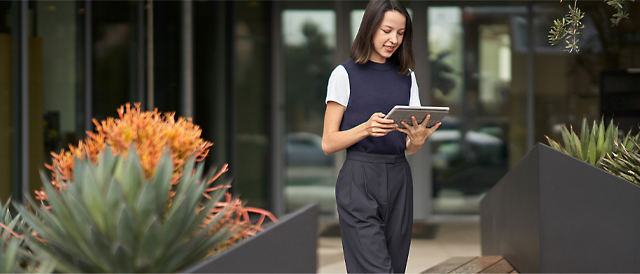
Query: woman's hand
(417, 133)
(377, 126)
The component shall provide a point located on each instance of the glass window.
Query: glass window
(571, 86)
(309, 44)
(114, 56)
(475, 73)
(252, 80)
(55, 50)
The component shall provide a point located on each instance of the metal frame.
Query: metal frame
(422, 177)
(24, 100)
(140, 57)
(187, 59)
(530, 78)
(20, 100)
(277, 113)
(149, 98)
(88, 66)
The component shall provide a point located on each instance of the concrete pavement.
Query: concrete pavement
(451, 240)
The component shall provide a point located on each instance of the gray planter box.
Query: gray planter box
(285, 247)
(554, 213)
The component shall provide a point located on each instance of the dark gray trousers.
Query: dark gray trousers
(374, 194)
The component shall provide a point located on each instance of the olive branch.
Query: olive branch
(619, 5)
(570, 26)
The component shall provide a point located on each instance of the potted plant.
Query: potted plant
(131, 198)
(556, 213)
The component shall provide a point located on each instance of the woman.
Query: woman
(374, 190)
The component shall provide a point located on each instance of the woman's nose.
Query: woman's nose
(393, 39)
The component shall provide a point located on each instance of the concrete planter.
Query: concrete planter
(554, 213)
(285, 247)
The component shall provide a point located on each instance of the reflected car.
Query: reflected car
(472, 163)
(305, 149)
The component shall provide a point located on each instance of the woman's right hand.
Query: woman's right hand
(377, 126)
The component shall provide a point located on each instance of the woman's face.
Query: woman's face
(387, 38)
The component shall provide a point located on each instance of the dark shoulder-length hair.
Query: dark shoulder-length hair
(373, 15)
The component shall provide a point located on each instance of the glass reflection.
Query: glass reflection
(472, 71)
(309, 41)
(57, 101)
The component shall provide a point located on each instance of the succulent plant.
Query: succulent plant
(112, 218)
(592, 145)
(624, 163)
(15, 257)
(150, 133)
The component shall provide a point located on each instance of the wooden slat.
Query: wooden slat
(449, 265)
(501, 266)
(514, 272)
(478, 264)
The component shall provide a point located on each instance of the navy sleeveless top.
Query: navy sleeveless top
(375, 88)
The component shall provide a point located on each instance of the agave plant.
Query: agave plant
(592, 145)
(624, 163)
(15, 257)
(114, 219)
(151, 132)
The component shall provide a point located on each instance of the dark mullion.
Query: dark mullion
(16, 101)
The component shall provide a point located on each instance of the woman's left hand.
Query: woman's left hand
(418, 132)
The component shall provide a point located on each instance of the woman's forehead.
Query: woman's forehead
(394, 19)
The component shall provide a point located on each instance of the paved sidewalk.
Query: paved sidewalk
(452, 239)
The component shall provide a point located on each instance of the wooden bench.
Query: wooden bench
(480, 264)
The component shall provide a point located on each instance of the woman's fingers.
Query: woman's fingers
(378, 126)
(426, 121)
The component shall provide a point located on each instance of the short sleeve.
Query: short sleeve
(338, 89)
(414, 100)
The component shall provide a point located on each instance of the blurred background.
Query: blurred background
(253, 75)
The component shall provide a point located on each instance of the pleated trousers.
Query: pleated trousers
(374, 194)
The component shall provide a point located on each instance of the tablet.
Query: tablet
(404, 113)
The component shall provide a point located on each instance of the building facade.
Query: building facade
(253, 75)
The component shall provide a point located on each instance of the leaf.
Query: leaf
(100, 249)
(114, 204)
(174, 222)
(124, 258)
(146, 205)
(105, 168)
(148, 250)
(57, 204)
(584, 134)
(163, 178)
(133, 176)
(126, 228)
(575, 142)
(567, 142)
(80, 214)
(600, 140)
(11, 257)
(591, 158)
(91, 196)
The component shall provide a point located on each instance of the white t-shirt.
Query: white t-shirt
(339, 90)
